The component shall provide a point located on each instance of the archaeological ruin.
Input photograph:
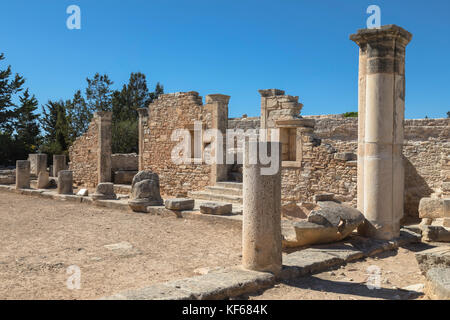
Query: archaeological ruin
(376, 177)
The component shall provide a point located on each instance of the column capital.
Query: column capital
(222, 98)
(381, 35)
(271, 92)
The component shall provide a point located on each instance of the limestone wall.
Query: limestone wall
(124, 161)
(167, 113)
(83, 157)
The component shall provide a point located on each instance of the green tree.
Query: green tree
(56, 127)
(125, 104)
(26, 124)
(9, 85)
(78, 116)
(99, 93)
(448, 114)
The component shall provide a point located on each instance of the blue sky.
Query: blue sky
(231, 47)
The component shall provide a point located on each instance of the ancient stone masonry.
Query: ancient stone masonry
(179, 111)
(90, 154)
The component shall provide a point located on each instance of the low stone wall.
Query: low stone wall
(125, 162)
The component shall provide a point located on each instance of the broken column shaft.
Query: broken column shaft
(261, 228)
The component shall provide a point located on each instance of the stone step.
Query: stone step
(224, 191)
(203, 195)
(229, 184)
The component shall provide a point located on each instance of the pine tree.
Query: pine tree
(56, 127)
(78, 116)
(99, 93)
(8, 87)
(26, 124)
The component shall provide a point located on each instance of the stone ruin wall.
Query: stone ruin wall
(167, 113)
(326, 167)
(84, 157)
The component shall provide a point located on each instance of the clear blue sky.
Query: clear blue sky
(233, 47)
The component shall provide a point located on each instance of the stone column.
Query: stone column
(22, 174)
(261, 225)
(59, 163)
(219, 108)
(38, 163)
(361, 126)
(65, 182)
(143, 119)
(383, 172)
(104, 119)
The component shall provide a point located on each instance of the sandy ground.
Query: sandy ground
(117, 251)
(41, 238)
(397, 269)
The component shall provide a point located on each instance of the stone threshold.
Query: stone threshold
(235, 281)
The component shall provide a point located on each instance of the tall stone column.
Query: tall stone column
(219, 108)
(384, 104)
(59, 163)
(104, 146)
(143, 119)
(261, 225)
(22, 174)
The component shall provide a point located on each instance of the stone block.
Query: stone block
(438, 284)
(323, 197)
(180, 204)
(435, 234)
(345, 156)
(65, 182)
(431, 208)
(145, 191)
(438, 257)
(216, 208)
(124, 177)
(104, 191)
(43, 180)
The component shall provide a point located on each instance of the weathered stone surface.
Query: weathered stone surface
(65, 182)
(307, 261)
(438, 284)
(124, 177)
(59, 163)
(431, 208)
(7, 179)
(38, 163)
(323, 197)
(43, 180)
(435, 234)
(22, 174)
(332, 222)
(104, 191)
(220, 284)
(438, 257)
(216, 208)
(125, 162)
(145, 191)
(180, 204)
(345, 156)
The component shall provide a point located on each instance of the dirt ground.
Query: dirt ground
(117, 251)
(397, 269)
(41, 238)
